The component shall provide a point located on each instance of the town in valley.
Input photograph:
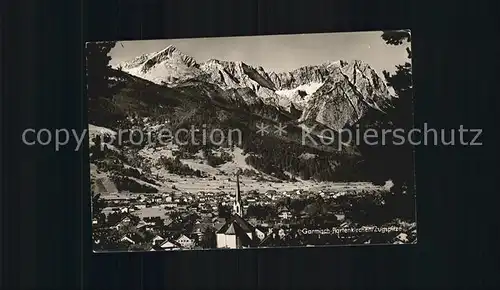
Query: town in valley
(220, 219)
(246, 177)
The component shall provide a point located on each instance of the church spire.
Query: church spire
(237, 201)
(238, 196)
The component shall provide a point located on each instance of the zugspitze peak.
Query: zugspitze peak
(334, 93)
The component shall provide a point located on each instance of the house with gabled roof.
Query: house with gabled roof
(170, 246)
(260, 232)
(157, 240)
(125, 221)
(272, 239)
(131, 238)
(285, 214)
(127, 240)
(236, 233)
(185, 241)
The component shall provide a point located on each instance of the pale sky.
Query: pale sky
(279, 52)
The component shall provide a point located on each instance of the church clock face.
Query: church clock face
(237, 208)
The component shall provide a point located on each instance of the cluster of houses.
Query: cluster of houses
(159, 222)
(154, 213)
(231, 232)
(204, 204)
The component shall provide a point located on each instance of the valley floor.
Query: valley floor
(284, 214)
(227, 184)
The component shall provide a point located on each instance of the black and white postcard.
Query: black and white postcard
(251, 142)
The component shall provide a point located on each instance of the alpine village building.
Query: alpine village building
(237, 233)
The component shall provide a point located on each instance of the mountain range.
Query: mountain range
(334, 94)
(169, 89)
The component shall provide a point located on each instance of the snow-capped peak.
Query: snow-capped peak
(169, 48)
(167, 51)
(165, 66)
(136, 61)
(170, 53)
(308, 89)
(213, 60)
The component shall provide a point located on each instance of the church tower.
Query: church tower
(237, 209)
(237, 233)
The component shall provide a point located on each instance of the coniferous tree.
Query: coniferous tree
(401, 115)
(391, 160)
(401, 82)
(98, 204)
(99, 71)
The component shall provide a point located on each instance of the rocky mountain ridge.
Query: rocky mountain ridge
(334, 94)
(171, 90)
